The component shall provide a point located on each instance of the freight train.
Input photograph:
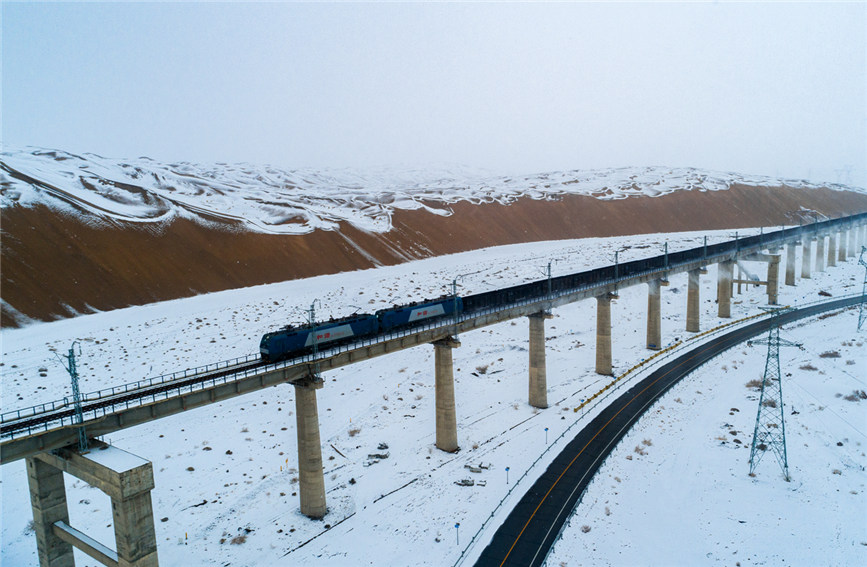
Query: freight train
(294, 341)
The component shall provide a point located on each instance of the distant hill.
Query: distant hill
(84, 233)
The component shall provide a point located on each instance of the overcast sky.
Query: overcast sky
(767, 88)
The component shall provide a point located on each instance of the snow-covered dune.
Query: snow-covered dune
(299, 201)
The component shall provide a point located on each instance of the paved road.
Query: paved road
(534, 524)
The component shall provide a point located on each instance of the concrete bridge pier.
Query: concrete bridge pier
(654, 315)
(773, 279)
(790, 263)
(806, 257)
(538, 377)
(832, 250)
(725, 271)
(693, 302)
(311, 477)
(48, 501)
(126, 478)
(820, 253)
(603, 333)
(446, 418)
(842, 245)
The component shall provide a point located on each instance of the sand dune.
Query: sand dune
(57, 262)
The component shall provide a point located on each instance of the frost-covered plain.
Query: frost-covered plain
(226, 484)
(299, 201)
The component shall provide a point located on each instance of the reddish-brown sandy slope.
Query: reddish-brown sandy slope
(54, 263)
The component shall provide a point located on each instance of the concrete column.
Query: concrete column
(725, 270)
(820, 253)
(603, 334)
(790, 263)
(538, 377)
(740, 276)
(134, 529)
(693, 302)
(311, 478)
(832, 250)
(654, 318)
(446, 418)
(842, 245)
(850, 242)
(128, 480)
(806, 257)
(773, 279)
(48, 501)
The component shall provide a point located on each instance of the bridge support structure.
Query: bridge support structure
(538, 397)
(820, 253)
(772, 282)
(603, 333)
(311, 477)
(126, 478)
(790, 263)
(693, 302)
(844, 245)
(446, 416)
(832, 250)
(654, 314)
(806, 257)
(725, 273)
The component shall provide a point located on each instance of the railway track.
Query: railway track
(66, 411)
(526, 536)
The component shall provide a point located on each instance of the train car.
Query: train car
(407, 315)
(295, 341)
(506, 296)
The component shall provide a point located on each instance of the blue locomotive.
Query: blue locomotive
(296, 341)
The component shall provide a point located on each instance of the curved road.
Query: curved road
(533, 525)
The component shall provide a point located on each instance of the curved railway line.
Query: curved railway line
(527, 535)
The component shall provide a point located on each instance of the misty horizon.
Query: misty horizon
(759, 89)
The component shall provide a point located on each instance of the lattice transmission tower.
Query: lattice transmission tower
(770, 431)
(862, 311)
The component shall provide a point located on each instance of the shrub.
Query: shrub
(856, 396)
(238, 540)
(830, 354)
(354, 432)
(585, 529)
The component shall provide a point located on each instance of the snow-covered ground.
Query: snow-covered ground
(299, 201)
(226, 484)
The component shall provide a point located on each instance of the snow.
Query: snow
(274, 200)
(114, 458)
(227, 472)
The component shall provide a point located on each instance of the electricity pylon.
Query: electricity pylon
(770, 430)
(76, 396)
(862, 311)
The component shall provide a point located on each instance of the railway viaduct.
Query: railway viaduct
(47, 436)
